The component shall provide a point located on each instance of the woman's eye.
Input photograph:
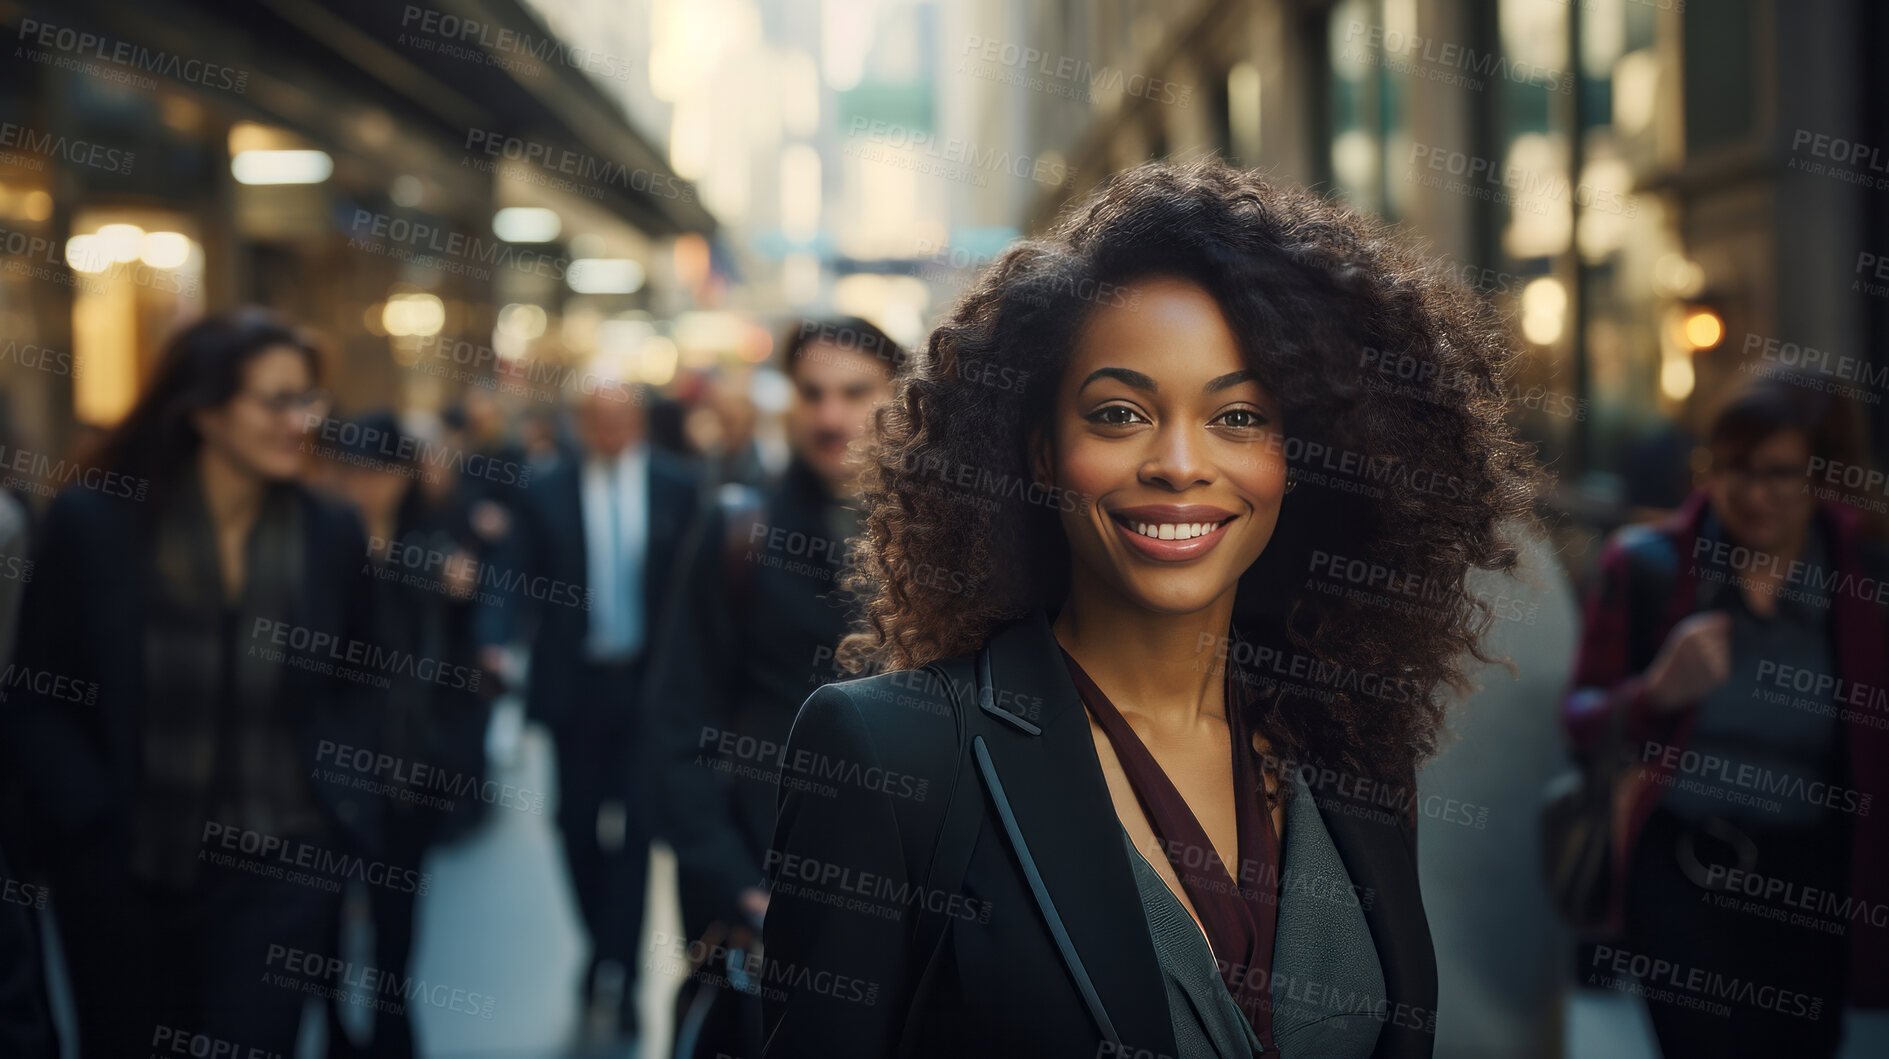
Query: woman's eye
(1242, 418)
(1114, 415)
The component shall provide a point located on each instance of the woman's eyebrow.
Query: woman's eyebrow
(1131, 377)
(1232, 378)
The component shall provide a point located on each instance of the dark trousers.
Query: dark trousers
(407, 832)
(600, 748)
(148, 969)
(1756, 969)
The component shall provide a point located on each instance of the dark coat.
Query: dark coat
(1609, 678)
(548, 570)
(751, 628)
(867, 774)
(74, 736)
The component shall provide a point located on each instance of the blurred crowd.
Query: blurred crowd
(255, 649)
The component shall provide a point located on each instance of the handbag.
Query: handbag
(1578, 833)
(1577, 827)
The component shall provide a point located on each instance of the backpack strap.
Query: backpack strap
(742, 508)
(957, 837)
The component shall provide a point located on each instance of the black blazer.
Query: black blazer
(74, 740)
(549, 569)
(866, 777)
(733, 666)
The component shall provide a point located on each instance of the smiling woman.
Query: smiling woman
(1195, 716)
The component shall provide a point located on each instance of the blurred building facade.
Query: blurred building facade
(441, 190)
(1665, 197)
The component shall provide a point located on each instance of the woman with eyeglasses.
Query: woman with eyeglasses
(1733, 656)
(195, 647)
(1138, 775)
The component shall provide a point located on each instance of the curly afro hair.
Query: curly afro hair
(1392, 381)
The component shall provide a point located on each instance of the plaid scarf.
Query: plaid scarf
(217, 737)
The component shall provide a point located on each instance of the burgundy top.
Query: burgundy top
(1239, 910)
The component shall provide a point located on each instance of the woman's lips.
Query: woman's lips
(1172, 534)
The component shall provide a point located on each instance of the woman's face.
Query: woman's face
(1159, 420)
(263, 427)
(1761, 498)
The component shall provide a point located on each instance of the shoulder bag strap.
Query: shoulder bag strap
(957, 837)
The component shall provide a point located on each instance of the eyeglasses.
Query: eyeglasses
(1776, 478)
(310, 402)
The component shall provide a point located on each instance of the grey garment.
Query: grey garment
(1328, 989)
(1760, 741)
(1500, 950)
(1207, 1023)
(1328, 994)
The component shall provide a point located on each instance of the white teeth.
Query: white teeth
(1175, 531)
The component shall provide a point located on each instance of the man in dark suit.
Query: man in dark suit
(591, 546)
(751, 630)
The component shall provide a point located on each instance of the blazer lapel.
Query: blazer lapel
(1382, 861)
(1058, 818)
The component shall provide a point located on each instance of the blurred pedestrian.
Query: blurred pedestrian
(26, 1028)
(593, 543)
(753, 624)
(186, 607)
(1734, 655)
(422, 562)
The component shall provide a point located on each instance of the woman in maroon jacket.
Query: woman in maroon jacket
(1739, 647)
